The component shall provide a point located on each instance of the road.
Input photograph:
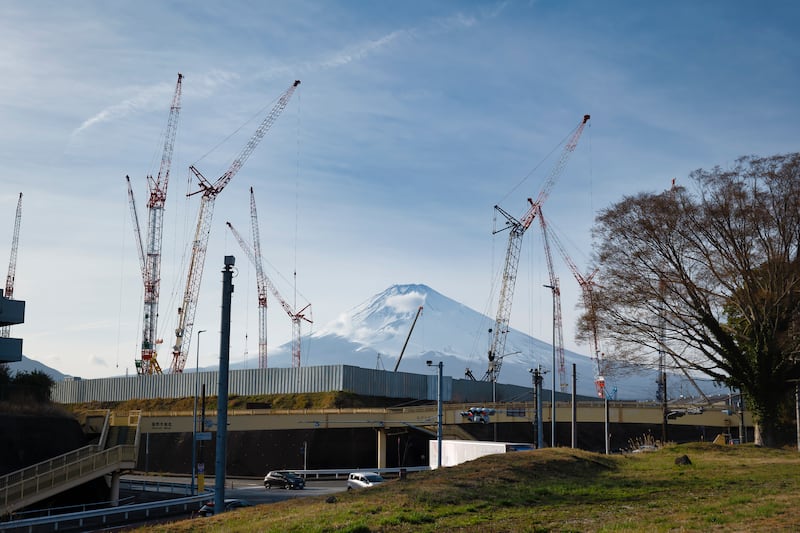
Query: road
(254, 491)
(248, 489)
(251, 490)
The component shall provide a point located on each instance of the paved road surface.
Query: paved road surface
(252, 490)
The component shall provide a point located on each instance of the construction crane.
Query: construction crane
(5, 331)
(263, 283)
(586, 284)
(210, 191)
(150, 256)
(558, 326)
(414, 323)
(517, 229)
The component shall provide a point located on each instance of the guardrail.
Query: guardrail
(44, 479)
(103, 518)
(335, 473)
(125, 514)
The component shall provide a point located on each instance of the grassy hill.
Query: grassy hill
(317, 400)
(725, 488)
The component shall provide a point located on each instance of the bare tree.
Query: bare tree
(711, 276)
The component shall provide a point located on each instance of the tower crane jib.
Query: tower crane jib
(209, 192)
(586, 284)
(5, 331)
(150, 252)
(264, 284)
(517, 228)
(558, 325)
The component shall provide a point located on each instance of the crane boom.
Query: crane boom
(264, 283)
(410, 331)
(261, 283)
(5, 331)
(150, 252)
(586, 284)
(517, 229)
(558, 326)
(183, 330)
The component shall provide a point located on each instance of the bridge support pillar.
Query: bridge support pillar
(114, 496)
(381, 448)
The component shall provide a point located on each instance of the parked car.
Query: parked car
(362, 480)
(284, 479)
(230, 504)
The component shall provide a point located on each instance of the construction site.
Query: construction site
(408, 410)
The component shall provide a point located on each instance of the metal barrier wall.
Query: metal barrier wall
(252, 382)
(260, 381)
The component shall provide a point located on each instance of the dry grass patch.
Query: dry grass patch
(740, 488)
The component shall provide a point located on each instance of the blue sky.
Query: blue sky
(413, 120)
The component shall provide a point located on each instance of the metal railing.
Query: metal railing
(104, 518)
(44, 479)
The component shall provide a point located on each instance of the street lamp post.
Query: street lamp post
(537, 406)
(439, 366)
(553, 390)
(194, 412)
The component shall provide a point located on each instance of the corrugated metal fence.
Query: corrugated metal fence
(258, 381)
(261, 381)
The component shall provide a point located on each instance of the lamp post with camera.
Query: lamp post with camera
(194, 412)
(439, 367)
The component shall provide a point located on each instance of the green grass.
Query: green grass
(734, 488)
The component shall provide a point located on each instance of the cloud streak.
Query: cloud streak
(145, 100)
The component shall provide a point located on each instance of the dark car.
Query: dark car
(284, 479)
(208, 508)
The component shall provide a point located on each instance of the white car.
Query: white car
(362, 480)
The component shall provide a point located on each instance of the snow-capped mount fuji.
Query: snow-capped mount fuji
(371, 335)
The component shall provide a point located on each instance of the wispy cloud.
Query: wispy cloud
(153, 97)
(144, 100)
(362, 50)
(455, 22)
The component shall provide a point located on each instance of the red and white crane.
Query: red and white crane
(5, 331)
(558, 326)
(517, 229)
(586, 284)
(210, 191)
(263, 284)
(150, 256)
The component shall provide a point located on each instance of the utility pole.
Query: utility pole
(537, 377)
(194, 412)
(222, 403)
(554, 289)
(439, 367)
(574, 407)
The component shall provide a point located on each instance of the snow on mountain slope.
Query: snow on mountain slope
(372, 334)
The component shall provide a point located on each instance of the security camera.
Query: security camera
(429, 363)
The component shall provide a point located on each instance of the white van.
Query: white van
(362, 480)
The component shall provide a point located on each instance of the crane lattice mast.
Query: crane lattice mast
(5, 331)
(517, 229)
(210, 191)
(558, 326)
(150, 254)
(263, 284)
(586, 284)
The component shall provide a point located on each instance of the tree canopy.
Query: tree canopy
(709, 273)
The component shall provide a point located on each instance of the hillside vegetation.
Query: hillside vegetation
(319, 400)
(725, 488)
